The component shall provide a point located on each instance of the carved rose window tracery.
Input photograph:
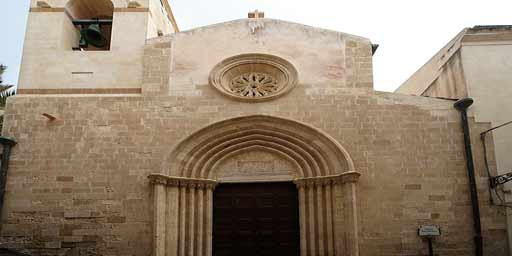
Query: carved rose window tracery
(253, 77)
(254, 84)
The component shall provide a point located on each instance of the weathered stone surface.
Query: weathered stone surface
(410, 157)
(78, 185)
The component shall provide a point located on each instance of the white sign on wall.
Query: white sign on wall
(429, 230)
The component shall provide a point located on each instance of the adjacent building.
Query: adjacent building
(477, 63)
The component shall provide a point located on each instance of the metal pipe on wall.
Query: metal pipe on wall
(462, 106)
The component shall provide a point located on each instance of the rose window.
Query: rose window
(253, 77)
(254, 85)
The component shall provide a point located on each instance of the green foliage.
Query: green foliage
(5, 92)
(2, 70)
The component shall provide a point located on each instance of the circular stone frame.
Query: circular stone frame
(272, 77)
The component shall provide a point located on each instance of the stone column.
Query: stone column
(183, 216)
(329, 219)
(173, 197)
(302, 219)
(201, 216)
(159, 212)
(339, 218)
(312, 220)
(182, 220)
(350, 212)
(209, 219)
(345, 188)
(191, 219)
(328, 215)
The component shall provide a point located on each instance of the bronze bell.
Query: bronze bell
(92, 35)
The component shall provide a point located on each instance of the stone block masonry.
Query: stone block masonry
(78, 185)
(80, 182)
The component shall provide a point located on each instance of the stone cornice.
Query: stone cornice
(46, 9)
(60, 9)
(81, 91)
(346, 177)
(181, 182)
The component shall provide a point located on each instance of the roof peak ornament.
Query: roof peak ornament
(256, 14)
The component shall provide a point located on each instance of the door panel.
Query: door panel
(256, 219)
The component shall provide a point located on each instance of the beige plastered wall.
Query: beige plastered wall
(489, 81)
(440, 76)
(328, 60)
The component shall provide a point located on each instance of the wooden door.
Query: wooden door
(256, 219)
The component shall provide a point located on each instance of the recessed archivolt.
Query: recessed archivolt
(307, 160)
(217, 167)
(299, 159)
(313, 152)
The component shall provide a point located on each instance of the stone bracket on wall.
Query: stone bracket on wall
(183, 209)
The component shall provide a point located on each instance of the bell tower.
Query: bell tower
(89, 46)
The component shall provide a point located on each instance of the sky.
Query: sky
(409, 32)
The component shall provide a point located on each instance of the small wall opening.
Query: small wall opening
(91, 24)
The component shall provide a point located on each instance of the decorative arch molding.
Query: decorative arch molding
(315, 151)
(325, 177)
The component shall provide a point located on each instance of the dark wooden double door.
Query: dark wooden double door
(256, 219)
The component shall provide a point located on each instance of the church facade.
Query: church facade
(254, 136)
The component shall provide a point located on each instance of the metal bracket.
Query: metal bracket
(92, 21)
(501, 179)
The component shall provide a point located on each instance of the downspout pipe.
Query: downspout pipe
(462, 106)
(7, 144)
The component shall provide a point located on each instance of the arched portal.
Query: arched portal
(323, 172)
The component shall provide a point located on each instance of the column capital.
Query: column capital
(171, 181)
(346, 177)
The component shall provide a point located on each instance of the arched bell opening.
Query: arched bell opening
(322, 170)
(91, 22)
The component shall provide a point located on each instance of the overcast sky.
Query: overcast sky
(409, 32)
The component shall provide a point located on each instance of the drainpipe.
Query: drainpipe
(462, 106)
(7, 144)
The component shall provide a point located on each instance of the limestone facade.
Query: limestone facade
(135, 174)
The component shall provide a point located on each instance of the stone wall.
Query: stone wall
(81, 180)
(79, 185)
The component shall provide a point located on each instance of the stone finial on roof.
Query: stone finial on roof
(134, 4)
(256, 14)
(43, 4)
